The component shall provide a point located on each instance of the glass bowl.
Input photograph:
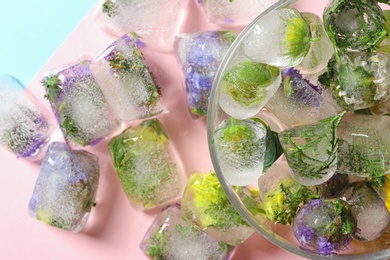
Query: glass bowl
(280, 235)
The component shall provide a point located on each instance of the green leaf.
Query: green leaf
(52, 85)
(246, 82)
(354, 24)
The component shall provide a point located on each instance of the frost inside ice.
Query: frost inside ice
(200, 55)
(149, 173)
(126, 81)
(157, 22)
(237, 12)
(66, 187)
(78, 103)
(173, 237)
(240, 147)
(24, 126)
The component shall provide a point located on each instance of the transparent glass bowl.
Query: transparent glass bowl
(278, 234)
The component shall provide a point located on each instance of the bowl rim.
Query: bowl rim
(233, 198)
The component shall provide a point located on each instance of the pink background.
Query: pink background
(114, 229)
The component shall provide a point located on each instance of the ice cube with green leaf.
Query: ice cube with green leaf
(78, 103)
(247, 86)
(245, 148)
(143, 158)
(311, 150)
(25, 126)
(171, 236)
(364, 145)
(358, 79)
(205, 203)
(354, 24)
(126, 81)
(280, 38)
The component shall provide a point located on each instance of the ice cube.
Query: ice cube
(241, 147)
(25, 126)
(297, 96)
(205, 203)
(173, 237)
(311, 150)
(237, 12)
(156, 22)
(321, 50)
(372, 216)
(66, 187)
(359, 79)
(200, 55)
(79, 105)
(354, 25)
(281, 195)
(148, 171)
(364, 145)
(324, 226)
(126, 81)
(280, 38)
(246, 87)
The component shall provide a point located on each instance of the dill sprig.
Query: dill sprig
(303, 145)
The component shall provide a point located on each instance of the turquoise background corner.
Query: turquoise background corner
(32, 31)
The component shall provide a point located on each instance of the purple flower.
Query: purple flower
(304, 233)
(299, 88)
(200, 66)
(325, 247)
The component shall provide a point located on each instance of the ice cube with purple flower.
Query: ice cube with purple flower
(369, 210)
(126, 81)
(200, 55)
(78, 103)
(66, 187)
(324, 226)
(25, 126)
(173, 237)
(296, 96)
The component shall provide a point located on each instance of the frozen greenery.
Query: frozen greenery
(141, 157)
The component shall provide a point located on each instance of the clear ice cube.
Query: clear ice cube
(364, 145)
(369, 210)
(157, 22)
(280, 38)
(66, 187)
(25, 126)
(126, 81)
(321, 50)
(148, 171)
(237, 12)
(297, 96)
(240, 147)
(79, 105)
(173, 237)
